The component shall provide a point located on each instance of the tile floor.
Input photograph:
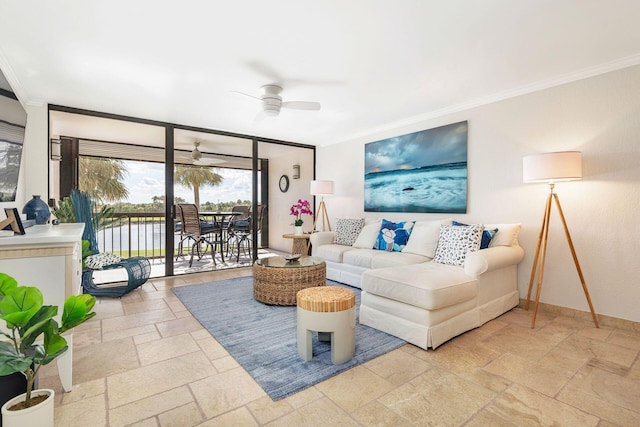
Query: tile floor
(145, 361)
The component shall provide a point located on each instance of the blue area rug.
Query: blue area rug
(262, 338)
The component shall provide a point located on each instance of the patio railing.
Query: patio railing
(134, 234)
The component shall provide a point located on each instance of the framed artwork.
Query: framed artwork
(424, 171)
(13, 221)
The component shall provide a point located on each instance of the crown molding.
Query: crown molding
(15, 84)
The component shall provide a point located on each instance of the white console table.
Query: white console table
(50, 258)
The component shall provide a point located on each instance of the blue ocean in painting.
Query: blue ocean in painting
(439, 188)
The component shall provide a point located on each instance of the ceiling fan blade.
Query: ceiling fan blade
(208, 161)
(301, 105)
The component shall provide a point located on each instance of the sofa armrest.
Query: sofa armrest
(320, 238)
(494, 258)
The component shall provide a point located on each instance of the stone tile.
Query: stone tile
(437, 395)
(86, 412)
(607, 352)
(624, 340)
(138, 319)
(166, 348)
(102, 360)
(486, 418)
(144, 338)
(149, 422)
(493, 382)
(81, 391)
(157, 378)
(521, 340)
(226, 363)
(304, 397)
(604, 394)
(226, 391)
(544, 378)
(265, 409)
(239, 417)
(144, 306)
(129, 332)
(178, 326)
(525, 407)
(212, 348)
(397, 367)
(354, 388)
(150, 406)
(455, 359)
(376, 414)
(187, 415)
(322, 412)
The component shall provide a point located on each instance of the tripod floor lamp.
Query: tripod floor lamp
(322, 188)
(549, 168)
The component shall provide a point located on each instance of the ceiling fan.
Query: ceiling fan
(272, 101)
(200, 160)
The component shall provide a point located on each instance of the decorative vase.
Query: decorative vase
(297, 230)
(37, 209)
(40, 415)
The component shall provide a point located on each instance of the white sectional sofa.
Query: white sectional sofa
(412, 296)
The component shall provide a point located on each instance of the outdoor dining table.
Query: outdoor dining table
(222, 220)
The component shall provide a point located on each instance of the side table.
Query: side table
(300, 243)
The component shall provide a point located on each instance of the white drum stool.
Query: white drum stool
(331, 311)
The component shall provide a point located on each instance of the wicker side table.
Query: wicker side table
(277, 281)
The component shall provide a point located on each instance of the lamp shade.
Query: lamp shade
(321, 188)
(552, 167)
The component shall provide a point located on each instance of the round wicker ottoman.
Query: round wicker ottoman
(276, 280)
(331, 311)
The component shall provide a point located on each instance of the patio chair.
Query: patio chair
(138, 268)
(199, 231)
(243, 231)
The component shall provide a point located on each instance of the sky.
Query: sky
(441, 145)
(146, 179)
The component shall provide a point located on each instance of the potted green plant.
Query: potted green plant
(33, 338)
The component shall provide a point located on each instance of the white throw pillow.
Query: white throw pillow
(368, 235)
(456, 242)
(347, 230)
(507, 234)
(424, 237)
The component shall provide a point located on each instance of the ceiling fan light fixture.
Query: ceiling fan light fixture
(196, 154)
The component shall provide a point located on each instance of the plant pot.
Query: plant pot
(297, 230)
(40, 415)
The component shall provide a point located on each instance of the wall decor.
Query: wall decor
(424, 171)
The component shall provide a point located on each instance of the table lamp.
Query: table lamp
(550, 168)
(321, 188)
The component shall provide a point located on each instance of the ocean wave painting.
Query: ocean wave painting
(423, 171)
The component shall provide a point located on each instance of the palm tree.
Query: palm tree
(102, 178)
(195, 177)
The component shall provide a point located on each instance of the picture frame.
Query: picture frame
(424, 171)
(13, 221)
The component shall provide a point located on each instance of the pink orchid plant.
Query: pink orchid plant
(301, 208)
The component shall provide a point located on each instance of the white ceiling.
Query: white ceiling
(372, 64)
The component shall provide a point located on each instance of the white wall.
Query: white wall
(599, 116)
(280, 222)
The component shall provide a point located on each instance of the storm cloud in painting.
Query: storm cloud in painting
(423, 171)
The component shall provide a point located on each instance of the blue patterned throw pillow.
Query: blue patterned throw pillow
(393, 236)
(487, 234)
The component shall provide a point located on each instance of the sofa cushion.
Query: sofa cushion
(368, 235)
(393, 236)
(331, 252)
(456, 242)
(424, 237)
(347, 230)
(507, 234)
(360, 257)
(429, 286)
(395, 259)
